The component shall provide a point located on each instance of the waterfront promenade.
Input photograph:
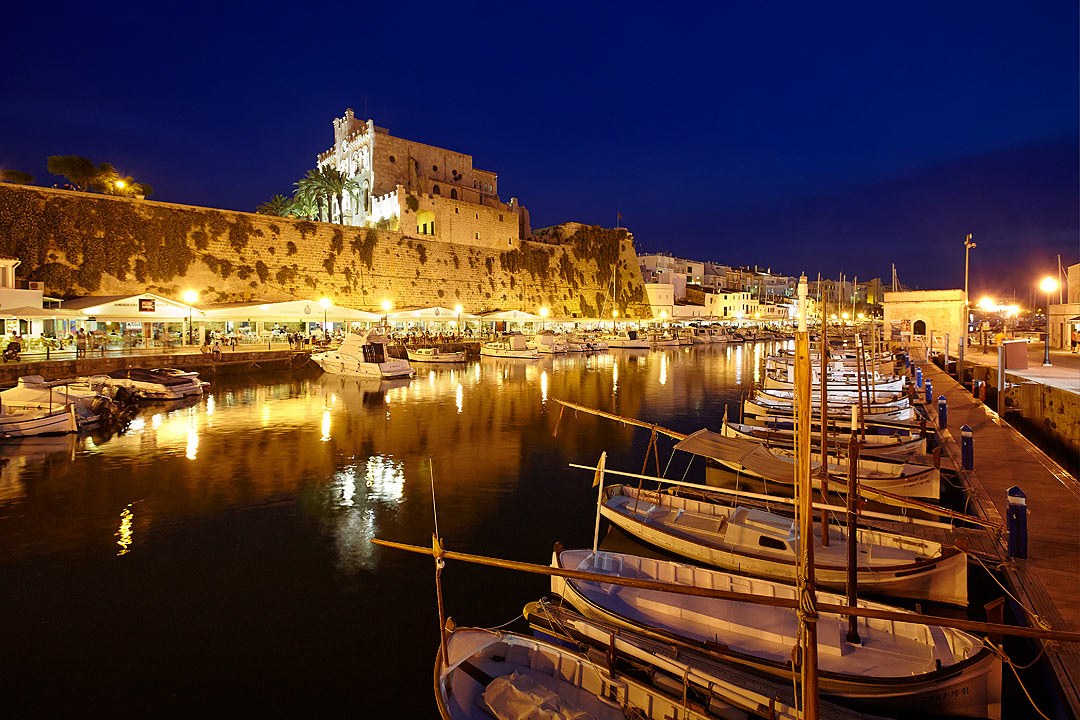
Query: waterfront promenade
(1063, 373)
(1048, 580)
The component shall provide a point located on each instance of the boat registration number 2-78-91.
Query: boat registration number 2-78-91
(948, 695)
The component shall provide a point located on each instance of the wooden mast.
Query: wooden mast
(807, 610)
(823, 471)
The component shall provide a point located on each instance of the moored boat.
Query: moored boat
(363, 355)
(907, 667)
(510, 345)
(156, 383)
(753, 541)
(435, 355)
(626, 339)
(27, 422)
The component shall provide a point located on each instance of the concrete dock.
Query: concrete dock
(1047, 582)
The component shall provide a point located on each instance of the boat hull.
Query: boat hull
(442, 357)
(27, 423)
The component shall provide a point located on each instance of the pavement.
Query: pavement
(1063, 373)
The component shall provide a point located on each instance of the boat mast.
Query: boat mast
(823, 471)
(599, 482)
(807, 610)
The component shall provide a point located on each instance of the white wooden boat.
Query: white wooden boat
(663, 340)
(508, 676)
(511, 345)
(26, 422)
(363, 355)
(907, 667)
(756, 542)
(434, 355)
(701, 336)
(762, 404)
(686, 336)
(91, 398)
(752, 459)
(572, 344)
(844, 383)
(626, 339)
(784, 439)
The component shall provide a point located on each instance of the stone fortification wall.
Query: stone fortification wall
(84, 244)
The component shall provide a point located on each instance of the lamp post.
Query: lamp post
(968, 244)
(386, 305)
(458, 309)
(614, 318)
(190, 296)
(1048, 286)
(543, 313)
(325, 302)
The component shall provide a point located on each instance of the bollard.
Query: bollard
(967, 448)
(982, 391)
(918, 377)
(929, 387)
(1016, 522)
(975, 388)
(907, 360)
(942, 412)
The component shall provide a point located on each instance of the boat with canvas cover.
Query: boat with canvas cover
(547, 343)
(363, 355)
(783, 440)
(756, 542)
(764, 404)
(626, 340)
(752, 459)
(507, 676)
(510, 345)
(27, 422)
(94, 401)
(156, 383)
(837, 383)
(435, 355)
(907, 667)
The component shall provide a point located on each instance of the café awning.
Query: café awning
(435, 313)
(287, 311)
(511, 316)
(146, 307)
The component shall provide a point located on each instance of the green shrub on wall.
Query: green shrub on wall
(363, 246)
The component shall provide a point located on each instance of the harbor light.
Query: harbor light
(986, 304)
(325, 302)
(1048, 285)
(190, 297)
(845, 316)
(386, 305)
(119, 184)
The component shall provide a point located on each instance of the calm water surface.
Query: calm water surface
(217, 557)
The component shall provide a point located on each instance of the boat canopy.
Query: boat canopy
(747, 453)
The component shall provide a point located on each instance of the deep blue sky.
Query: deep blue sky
(803, 136)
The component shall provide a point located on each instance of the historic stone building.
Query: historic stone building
(451, 200)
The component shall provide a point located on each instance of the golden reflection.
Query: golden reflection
(757, 363)
(326, 425)
(192, 442)
(614, 376)
(265, 414)
(155, 421)
(136, 425)
(385, 479)
(738, 365)
(348, 487)
(458, 396)
(663, 369)
(543, 386)
(431, 378)
(125, 533)
(209, 404)
(476, 373)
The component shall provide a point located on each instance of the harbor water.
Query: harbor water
(217, 557)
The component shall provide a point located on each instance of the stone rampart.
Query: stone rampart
(86, 244)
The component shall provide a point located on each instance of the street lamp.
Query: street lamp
(190, 297)
(325, 302)
(968, 244)
(458, 309)
(386, 305)
(543, 313)
(1048, 286)
(614, 317)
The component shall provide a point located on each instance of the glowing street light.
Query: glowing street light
(119, 184)
(386, 305)
(614, 317)
(325, 302)
(1048, 285)
(190, 297)
(986, 304)
(458, 309)
(543, 313)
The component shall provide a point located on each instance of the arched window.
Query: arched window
(919, 328)
(435, 189)
(453, 194)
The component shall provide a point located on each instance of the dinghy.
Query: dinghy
(906, 667)
(434, 355)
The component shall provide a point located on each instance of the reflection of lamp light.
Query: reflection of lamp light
(190, 296)
(1048, 286)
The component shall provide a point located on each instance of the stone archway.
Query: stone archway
(918, 328)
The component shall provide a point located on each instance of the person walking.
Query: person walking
(1076, 341)
(80, 344)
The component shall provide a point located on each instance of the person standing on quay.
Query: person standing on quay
(80, 344)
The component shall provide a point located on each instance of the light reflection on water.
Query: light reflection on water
(272, 488)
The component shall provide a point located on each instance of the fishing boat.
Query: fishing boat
(701, 336)
(685, 336)
(626, 339)
(907, 667)
(94, 401)
(510, 345)
(156, 383)
(488, 674)
(839, 383)
(435, 355)
(363, 355)
(663, 340)
(757, 542)
(770, 404)
(27, 422)
(746, 458)
(573, 345)
(783, 439)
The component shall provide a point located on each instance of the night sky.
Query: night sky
(809, 137)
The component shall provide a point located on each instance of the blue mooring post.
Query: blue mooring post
(907, 360)
(1017, 522)
(929, 387)
(942, 412)
(918, 377)
(967, 448)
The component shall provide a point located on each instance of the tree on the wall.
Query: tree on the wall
(16, 177)
(278, 205)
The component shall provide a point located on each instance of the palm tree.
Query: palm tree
(304, 205)
(334, 183)
(278, 205)
(313, 186)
